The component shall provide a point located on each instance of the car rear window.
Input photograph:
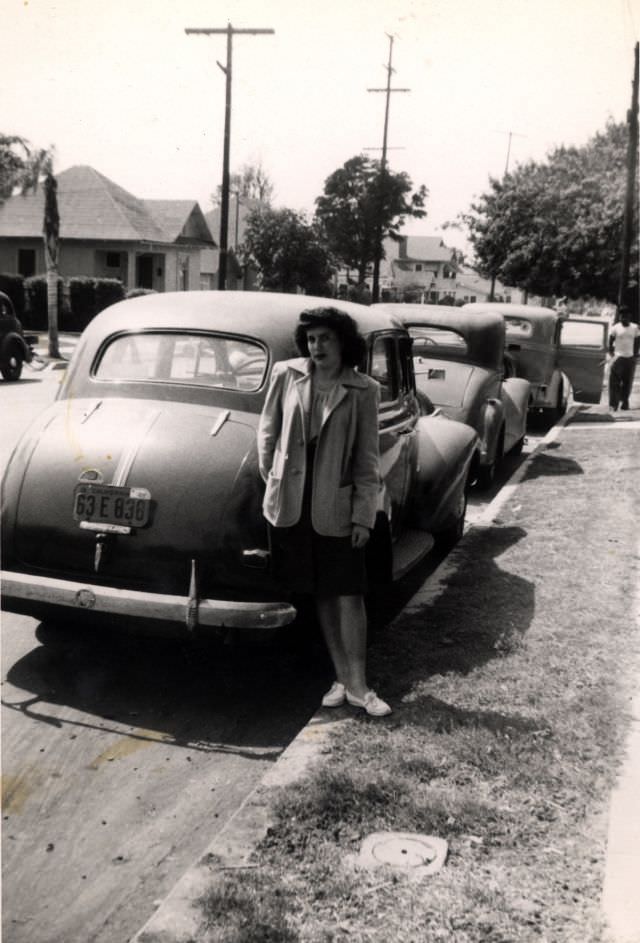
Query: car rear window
(210, 360)
(518, 327)
(436, 341)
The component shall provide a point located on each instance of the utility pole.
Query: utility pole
(224, 202)
(375, 294)
(511, 134)
(627, 294)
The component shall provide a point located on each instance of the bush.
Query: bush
(35, 307)
(13, 286)
(137, 292)
(90, 296)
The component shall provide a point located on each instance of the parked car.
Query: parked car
(16, 347)
(136, 496)
(557, 354)
(459, 362)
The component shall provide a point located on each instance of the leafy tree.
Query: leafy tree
(252, 184)
(555, 228)
(359, 207)
(14, 152)
(287, 250)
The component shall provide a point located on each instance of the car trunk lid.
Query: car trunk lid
(196, 464)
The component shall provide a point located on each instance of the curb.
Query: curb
(177, 919)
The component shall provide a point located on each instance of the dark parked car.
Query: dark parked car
(136, 496)
(15, 345)
(459, 362)
(558, 355)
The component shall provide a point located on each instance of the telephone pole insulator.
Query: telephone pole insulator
(230, 32)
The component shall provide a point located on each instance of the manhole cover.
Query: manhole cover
(417, 855)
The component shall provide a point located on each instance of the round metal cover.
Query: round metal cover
(417, 855)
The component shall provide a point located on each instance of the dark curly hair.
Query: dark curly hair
(352, 342)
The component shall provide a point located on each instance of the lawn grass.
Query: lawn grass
(511, 692)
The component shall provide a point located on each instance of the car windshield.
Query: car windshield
(435, 341)
(211, 360)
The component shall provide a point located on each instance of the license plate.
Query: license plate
(109, 504)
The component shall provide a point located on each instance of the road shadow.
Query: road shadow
(204, 696)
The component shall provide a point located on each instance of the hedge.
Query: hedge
(13, 286)
(90, 296)
(35, 304)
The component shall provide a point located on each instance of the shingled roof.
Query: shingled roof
(94, 207)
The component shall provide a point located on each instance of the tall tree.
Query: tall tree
(353, 211)
(252, 184)
(37, 168)
(554, 228)
(287, 250)
(14, 154)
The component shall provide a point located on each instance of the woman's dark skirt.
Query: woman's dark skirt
(307, 563)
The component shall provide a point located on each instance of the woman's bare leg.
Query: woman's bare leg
(344, 625)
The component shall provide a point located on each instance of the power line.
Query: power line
(230, 32)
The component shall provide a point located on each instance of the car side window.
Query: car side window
(385, 368)
(585, 334)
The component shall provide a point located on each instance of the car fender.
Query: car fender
(445, 449)
(491, 427)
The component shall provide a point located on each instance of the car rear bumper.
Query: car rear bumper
(20, 591)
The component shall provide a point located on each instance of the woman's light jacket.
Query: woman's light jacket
(346, 472)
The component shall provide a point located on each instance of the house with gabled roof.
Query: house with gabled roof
(106, 232)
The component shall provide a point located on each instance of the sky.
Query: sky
(121, 87)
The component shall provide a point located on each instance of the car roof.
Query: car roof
(269, 316)
(508, 309)
(484, 332)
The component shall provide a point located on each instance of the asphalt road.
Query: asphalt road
(122, 757)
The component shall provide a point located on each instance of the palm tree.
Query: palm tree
(39, 166)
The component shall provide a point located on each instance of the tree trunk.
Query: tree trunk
(52, 311)
(51, 231)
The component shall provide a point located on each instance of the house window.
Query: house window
(113, 260)
(26, 262)
(418, 267)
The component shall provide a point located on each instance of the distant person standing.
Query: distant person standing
(624, 345)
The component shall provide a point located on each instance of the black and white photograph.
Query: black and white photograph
(320, 461)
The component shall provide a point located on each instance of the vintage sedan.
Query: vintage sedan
(16, 347)
(557, 354)
(136, 498)
(459, 362)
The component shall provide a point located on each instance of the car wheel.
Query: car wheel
(447, 539)
(11, 365)
(487, 473)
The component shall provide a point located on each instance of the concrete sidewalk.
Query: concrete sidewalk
(177, 919)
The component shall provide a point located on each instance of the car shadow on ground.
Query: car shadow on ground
(480, 611)
(205, 696)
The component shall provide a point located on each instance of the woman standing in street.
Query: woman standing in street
(319, 458)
